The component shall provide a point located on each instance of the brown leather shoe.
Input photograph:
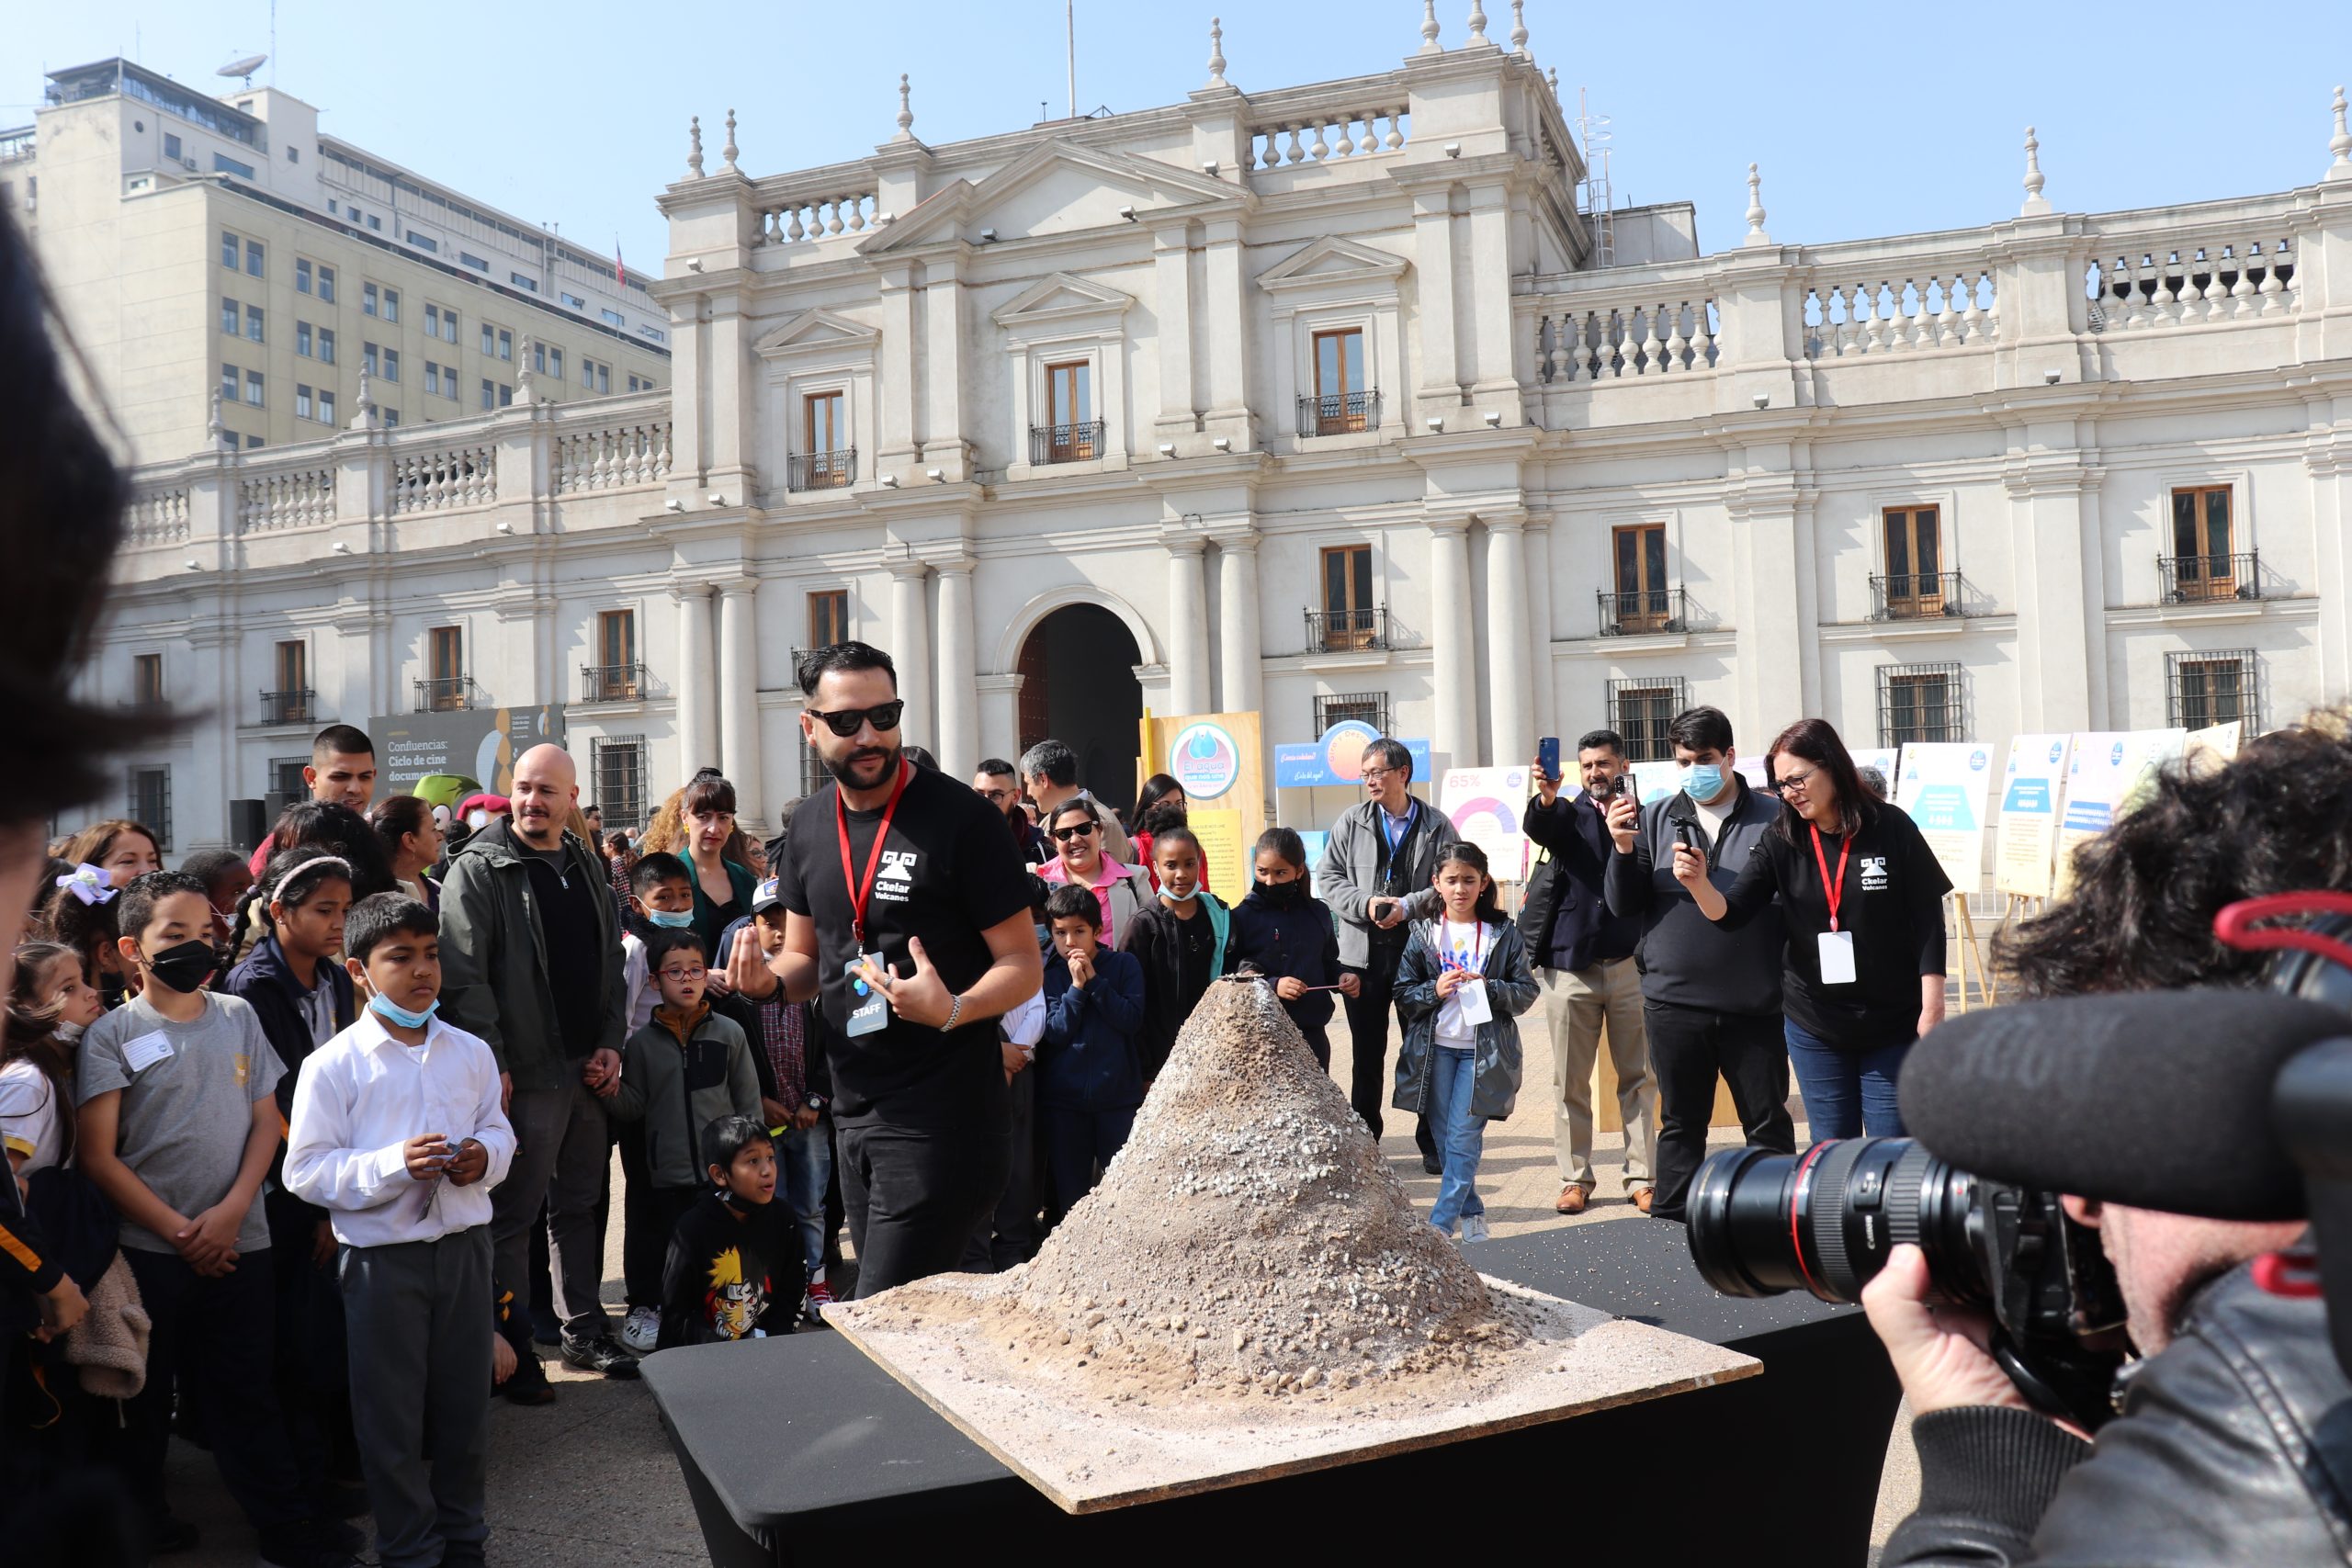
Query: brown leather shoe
(1573, 1199)
(1642, 1197)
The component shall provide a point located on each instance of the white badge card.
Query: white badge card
(872, 1011)
(1475, 1008)
(1836, 958)
(146, 1051)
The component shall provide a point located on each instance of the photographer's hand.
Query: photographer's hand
(1939, 1352)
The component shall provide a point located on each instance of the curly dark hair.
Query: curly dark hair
(2277, 819)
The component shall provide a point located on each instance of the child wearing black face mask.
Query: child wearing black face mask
(177, 1124)
(1282, 930)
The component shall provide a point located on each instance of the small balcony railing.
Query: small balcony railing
(1066, 443)
(821, 470)
(287, 707)
(2196, 579)
(1347, 631)
(448, 694)
(611, 682)
(1646, 609)
(1914, 597)
(1337, 413)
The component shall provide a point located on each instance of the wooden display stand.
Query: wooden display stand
(1605, 1118)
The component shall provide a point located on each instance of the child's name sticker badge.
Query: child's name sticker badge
(1836, 958)
(146, 1051)
(872, 1011)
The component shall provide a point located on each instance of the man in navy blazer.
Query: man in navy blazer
(1584, 957)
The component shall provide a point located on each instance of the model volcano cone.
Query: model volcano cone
(1248, 1239)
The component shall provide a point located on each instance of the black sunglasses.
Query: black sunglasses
(846, 722)
(1063, 835)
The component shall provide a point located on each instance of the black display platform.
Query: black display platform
(801, 1448)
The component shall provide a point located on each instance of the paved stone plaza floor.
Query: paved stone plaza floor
(590, 1482)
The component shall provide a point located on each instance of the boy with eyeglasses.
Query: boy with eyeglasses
(680, 1073)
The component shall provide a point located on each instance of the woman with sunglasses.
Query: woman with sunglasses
(1862, 898)
(1075, 831)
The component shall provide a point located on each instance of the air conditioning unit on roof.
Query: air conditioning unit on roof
(187, 163)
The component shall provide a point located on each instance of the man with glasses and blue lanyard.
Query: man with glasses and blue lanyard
(906, 915)
(1376, 875)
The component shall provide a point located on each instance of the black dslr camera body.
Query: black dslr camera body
(1827, 1220)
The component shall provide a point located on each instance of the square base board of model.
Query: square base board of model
(1088, 1452)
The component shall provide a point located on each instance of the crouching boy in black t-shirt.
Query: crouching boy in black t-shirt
(734, 1271)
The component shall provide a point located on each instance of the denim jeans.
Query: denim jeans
(1461, 1137)
(1847, 1093)
(804, 1164)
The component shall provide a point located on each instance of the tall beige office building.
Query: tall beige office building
(200, 245)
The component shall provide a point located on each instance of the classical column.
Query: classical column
(1172, 301)
(910, 650)
(1542, 688)
(959, 697)
(1454, 736)
(697, 719)
(1508, 653)
(739, 696)
(1188, 629)
(1240, 675)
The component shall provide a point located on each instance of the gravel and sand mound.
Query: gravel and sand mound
(1248, 1292)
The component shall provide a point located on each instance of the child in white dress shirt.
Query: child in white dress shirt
(398, 1133)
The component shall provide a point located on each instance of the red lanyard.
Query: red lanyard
(860, 892)
(1834, 891)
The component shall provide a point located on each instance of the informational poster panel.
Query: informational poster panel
(1882, 758)
(2207, 749)
(1486, 806)
(1943, 785)
(478, 744)
(1224, 848)
(2107, 772)
(1219, 761)
(1656, 781)
(2027, 837)
(2146, 751)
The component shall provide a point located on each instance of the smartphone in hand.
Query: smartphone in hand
(1547, 756)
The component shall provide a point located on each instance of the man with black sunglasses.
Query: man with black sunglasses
(907, 916)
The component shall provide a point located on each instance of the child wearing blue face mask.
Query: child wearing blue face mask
(661, 898)
(398, 1134)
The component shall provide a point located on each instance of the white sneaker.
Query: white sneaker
(642, 1330)
(1473, 1228)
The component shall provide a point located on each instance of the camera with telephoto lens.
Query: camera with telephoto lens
(1825, 1221)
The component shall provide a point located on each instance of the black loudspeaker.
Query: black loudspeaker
(273, 807)
(248, 824)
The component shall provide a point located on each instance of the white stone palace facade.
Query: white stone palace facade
(1316, 402)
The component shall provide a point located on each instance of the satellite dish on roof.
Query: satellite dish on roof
(244, 67)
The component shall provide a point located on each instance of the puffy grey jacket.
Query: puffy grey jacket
(1351, 875)
(495, 964)
(1510, 990)
(2234, 1447)
(679, 1087)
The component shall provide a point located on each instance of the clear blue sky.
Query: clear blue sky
(1865, 122)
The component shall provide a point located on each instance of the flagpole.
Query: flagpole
(1069, 34)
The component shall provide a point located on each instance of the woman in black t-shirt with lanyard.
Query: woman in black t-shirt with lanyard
(1863, 901)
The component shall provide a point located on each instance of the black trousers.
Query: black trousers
(1689, 1048)
(1008, 1236)
(915, 1194)
(216, 1338)
(1368, 1014)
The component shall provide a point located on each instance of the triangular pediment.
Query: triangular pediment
(1055, 185)
(1331, 260)
(816, 330)
(1057, 297)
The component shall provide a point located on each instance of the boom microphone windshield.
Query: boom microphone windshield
(2157, 1100)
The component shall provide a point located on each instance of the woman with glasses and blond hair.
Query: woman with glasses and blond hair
(1862, 898)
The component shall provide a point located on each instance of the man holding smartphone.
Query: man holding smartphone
(1584, 955)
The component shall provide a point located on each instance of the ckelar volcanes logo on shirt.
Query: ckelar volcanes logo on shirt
(897, 875)
(1873, 873)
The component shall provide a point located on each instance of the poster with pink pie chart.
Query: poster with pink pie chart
(1485, 805)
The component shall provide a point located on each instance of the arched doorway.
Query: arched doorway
(1079, 686)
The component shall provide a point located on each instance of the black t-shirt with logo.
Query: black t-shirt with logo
(1892, 901)
(949, 871)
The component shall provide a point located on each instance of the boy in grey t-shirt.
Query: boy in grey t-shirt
(178, 1122)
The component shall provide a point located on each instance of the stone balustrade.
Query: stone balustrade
(814, 205)
(2073, 293)
(504, 473)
